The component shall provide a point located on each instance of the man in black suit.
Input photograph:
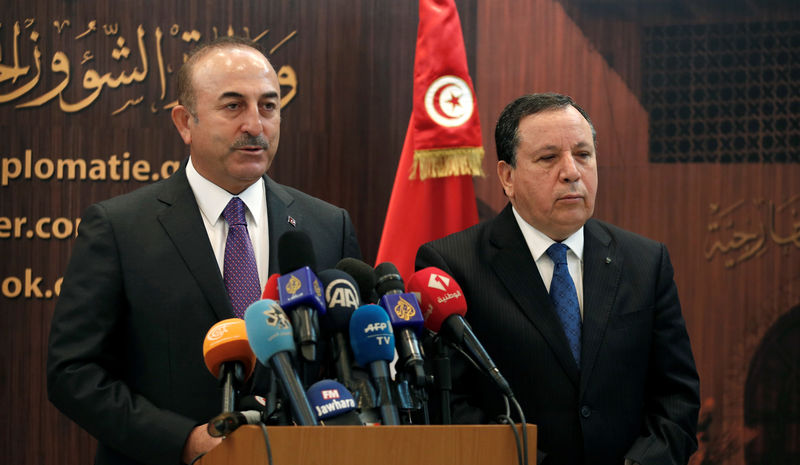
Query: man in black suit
(145, 281)
(624, 387)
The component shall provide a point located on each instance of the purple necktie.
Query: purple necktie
(565, 299)
(239, 271)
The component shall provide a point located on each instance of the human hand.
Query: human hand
(198, 442)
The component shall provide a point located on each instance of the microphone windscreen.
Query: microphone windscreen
(268, 330)
(388, 279)
(364, 276)
(301, 287)
(295, 250)
(404, 311)
(439, 296)
(271, 288)
(330, 399)
(252, 402)
(371, 335)
(227, 341)
(341, 297)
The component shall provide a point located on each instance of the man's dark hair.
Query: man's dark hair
(506, 133)
(185, 85)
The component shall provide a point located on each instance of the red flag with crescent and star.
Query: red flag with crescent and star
(433, 194)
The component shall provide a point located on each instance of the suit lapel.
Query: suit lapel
(183, 224)
(279, 214)
(517, 270)
(602, 268)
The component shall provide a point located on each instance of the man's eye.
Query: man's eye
(232, 106)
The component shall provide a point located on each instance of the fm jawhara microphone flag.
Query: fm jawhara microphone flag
(433, 194)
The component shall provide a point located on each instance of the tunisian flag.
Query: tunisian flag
(433, 194)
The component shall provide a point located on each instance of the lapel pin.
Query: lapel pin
(608, 260)
(292, 221)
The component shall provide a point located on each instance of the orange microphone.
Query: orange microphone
(227, 353)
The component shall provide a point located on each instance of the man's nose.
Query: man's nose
(252, 121)
(569, 168)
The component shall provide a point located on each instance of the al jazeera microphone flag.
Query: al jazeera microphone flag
(433, 194)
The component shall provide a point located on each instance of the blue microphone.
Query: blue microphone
(373, 346)
(300, 295)
(333, 403)
(407, 323)
(299, 290)
(270, 335)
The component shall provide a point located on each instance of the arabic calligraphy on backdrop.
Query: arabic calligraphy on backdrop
(20, 75)
(744, 229)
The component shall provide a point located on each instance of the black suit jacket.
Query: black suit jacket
(637, 392)
(140, 292)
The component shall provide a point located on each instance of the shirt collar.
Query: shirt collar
(538, 242)
(212, 199)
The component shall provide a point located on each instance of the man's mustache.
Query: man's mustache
(251, 141)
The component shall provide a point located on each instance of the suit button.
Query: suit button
(586, 411)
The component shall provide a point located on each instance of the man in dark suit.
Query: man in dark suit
(606, 372)
(145, 281)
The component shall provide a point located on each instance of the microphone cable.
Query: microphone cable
(522, 448)
(266, 443)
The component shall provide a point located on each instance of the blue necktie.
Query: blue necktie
(240, 272)
(565, 299)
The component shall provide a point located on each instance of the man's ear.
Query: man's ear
(181, 118)
(506, 174)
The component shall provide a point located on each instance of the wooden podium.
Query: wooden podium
(387, 445)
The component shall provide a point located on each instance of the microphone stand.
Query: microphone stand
(443, 378)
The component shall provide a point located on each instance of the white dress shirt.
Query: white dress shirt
(538, 243)
(212, 200)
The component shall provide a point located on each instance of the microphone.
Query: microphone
(270, 335)
(228, 357)
(444, 306)
(373, 346)
(300, 291)
(364, 276)
(227, 422)
(271, 288)
(333, 404)
(406, 318)
(342, 298)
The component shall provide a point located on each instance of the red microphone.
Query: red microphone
(227, 353)
(439, 296)
(271, 288)
(443, 306)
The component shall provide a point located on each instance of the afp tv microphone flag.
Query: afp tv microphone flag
(433, 194)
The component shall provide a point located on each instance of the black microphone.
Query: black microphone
(407, 321)
(342, 299)
(364, 276)
(270, 336)
(227, 422)
(299, 290)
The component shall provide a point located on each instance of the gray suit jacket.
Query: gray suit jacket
(637, 392)
(140, 292)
